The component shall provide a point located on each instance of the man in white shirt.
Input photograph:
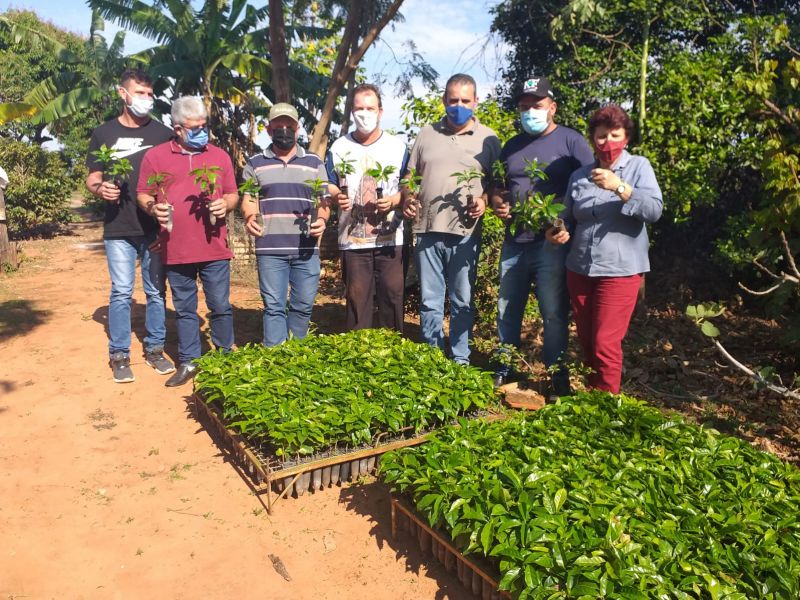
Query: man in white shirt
(369, 163)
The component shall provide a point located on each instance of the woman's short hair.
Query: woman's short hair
(186, 108)
(611, 116)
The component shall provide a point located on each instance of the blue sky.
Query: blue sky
(448, 33)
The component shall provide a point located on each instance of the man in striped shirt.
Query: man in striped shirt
(287, 243)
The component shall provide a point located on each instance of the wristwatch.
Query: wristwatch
(620, 189)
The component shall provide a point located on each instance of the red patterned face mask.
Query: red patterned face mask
(609, 151)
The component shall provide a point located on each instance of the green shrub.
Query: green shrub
(602, 496)
(37, 196)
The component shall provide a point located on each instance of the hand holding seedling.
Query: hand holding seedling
(207, 177)
(317, 228)
(161, 213)
(500, 207)
(557, 236)
(343, 200)
(108, 191)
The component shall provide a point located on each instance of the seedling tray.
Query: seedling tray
(272, 479)
(473, 575)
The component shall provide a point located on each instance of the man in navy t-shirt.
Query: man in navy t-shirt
(527, 258)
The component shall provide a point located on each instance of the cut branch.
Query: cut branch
(757, 377)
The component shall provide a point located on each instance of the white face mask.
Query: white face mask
(366, 121)
(139, 106)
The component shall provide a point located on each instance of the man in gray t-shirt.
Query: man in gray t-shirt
(527, 258)
(448, 226)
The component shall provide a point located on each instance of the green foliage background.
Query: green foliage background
(37, 196)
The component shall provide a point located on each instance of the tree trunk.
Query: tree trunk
(643, 79)
(8, 251)
(278, 53)
(346, 63)
(351, 84)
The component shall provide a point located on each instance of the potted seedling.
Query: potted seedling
(251, 188)
(157, 184)
(114, 169)
(381, 175)
(466, 177)
(499, 176)
(344, 167)
(412, 183)
(317, 186)
(538, 210)
(207, 177)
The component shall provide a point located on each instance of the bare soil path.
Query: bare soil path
(116, 491)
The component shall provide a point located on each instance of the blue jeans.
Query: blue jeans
(215, 276)
(121, 255)
(447, 262)
(275, 275)
(542, 264)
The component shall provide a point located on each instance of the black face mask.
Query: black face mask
(283, 138)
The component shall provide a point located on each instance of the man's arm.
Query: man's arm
(106, 190)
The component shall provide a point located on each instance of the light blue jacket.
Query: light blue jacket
(609, 236)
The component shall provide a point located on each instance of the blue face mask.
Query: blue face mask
(458, 114)
(534, 121)
(197, 137)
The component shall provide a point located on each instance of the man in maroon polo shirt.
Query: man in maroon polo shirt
(189, 185)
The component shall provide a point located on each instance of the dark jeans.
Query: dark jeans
(216, 279)
(374, 276)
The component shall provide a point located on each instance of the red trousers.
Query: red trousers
(602, 307)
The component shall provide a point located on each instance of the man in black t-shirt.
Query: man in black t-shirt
(527, 258)
(128, 233)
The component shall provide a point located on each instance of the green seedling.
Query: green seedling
(157, 184)
(412, 182)
(538, 210)
(339, 391)
(381, 175)
(344, 167)
(570, 499)
(207, 177)
(251, 189)
(319, 187)
(116, 169)
(466, 178)
(499, 173)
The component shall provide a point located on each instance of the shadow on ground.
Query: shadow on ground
(18, 317)
(372, 501)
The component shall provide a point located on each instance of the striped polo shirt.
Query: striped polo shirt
(285, 201)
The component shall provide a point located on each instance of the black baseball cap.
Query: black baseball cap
(536, 86)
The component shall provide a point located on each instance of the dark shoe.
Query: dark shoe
(121, 367)
(184, 374)
(156, 359)
(559, 387)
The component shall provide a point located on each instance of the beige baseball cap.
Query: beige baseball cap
(282, 109)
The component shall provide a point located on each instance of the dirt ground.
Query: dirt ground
(115, 490)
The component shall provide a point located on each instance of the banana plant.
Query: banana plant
(538, 210)
(116, 169)
(157, 184)
(207, 177)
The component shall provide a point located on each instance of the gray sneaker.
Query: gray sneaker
(156, 359)
(121, 367)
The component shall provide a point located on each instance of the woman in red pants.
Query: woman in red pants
(609, 205)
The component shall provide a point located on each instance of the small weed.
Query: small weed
(129, 520)
(153, 451)
(145, 474)
(152, 491)
(257, 511)
(139, 552)
(207, 515)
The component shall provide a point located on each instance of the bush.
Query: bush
(37, 196)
